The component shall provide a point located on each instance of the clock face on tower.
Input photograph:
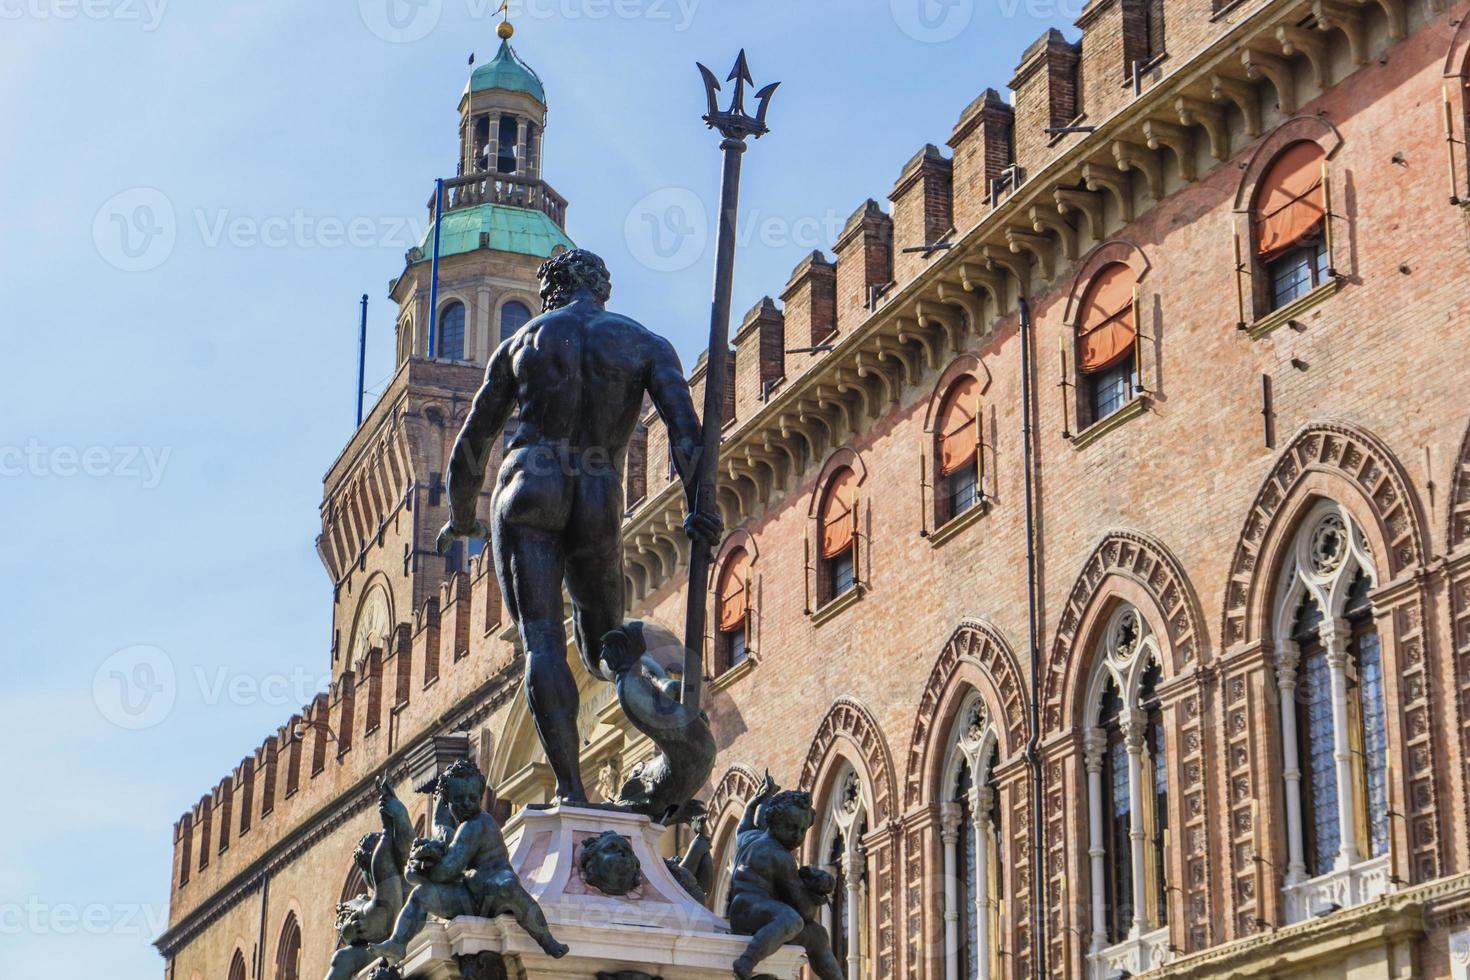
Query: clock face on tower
(372, 624)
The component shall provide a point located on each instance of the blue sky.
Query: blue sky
(172, 396)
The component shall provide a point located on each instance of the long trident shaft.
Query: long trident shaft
(734, 125)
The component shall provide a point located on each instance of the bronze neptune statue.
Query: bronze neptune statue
(575, 378)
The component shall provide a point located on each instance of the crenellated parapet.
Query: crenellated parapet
(372, 711)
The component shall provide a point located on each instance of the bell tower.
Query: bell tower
(502, 115)
(383, 499)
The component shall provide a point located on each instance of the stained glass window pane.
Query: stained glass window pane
(1375, 739)
(1319, 772)
(1120, 854)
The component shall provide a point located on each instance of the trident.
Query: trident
(734, 125)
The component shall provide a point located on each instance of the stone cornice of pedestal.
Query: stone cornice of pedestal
(657, 928)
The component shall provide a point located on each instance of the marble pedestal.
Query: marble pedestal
(657, 929)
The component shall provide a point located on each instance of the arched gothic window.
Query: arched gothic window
(838, 544)
(1329, 668)
(1288, 224)
(734, 603)
(288, 950)
(1128, 800)
(405, 339)
(451, 332)
(843, 825)
(513, 316)
(237, 966)
(957, 451)
(1107, 342)
(970, 832)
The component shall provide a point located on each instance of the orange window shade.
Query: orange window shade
(958, 439)
(1290, 202)
(837, 516)
(1105, 328)
(734, 580)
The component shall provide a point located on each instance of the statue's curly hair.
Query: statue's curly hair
(562, 275)
(464, 769)
(791, 804)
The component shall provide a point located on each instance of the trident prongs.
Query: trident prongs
(734, 123)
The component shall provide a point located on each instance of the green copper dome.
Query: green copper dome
(504, 228)
(506, 71)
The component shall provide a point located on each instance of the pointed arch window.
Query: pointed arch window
(405, 339)
(1128, 800)
(451, 331)
(288, 950)
(838, 543)
(237, 966)
(1288, 224)
(957, 450)
(844, 824)
(734, 598)
(1334, 744)
(1107, 342)
(970, 834)
(513, 316)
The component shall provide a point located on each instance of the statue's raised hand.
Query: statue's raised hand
(451, 533)
(706, 526)
(768, 788)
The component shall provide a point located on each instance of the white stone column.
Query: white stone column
(981, 803)
(949, 835)
(853, 859)
(1287, 657)
(1133, 729)
(1093, 746)
(520, 146)
(1335, 638)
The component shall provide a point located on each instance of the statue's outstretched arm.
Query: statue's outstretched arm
(751, 818)
(493, 405)
(670, 393)
(397, 827)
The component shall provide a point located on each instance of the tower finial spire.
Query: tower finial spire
(504, 29)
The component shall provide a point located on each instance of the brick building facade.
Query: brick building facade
(1193, 351)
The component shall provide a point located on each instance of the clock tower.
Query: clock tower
(383, 498)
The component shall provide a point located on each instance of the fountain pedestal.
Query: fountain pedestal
(655, 929)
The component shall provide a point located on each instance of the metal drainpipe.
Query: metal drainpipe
(265, 893)
(1033, 758)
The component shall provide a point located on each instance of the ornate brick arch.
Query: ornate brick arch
(1459, 527)
(848, 721)
(973, 647)
(1154, 574)
(737, 785)
(1351, 456)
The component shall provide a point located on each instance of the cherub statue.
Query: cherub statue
(771, 899)
(464, 870)
(382, 857)
(661, 788)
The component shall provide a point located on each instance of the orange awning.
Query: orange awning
(1290, 202)
(837, 513)
(958, 437)
(1105, 328)
(732, 600)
